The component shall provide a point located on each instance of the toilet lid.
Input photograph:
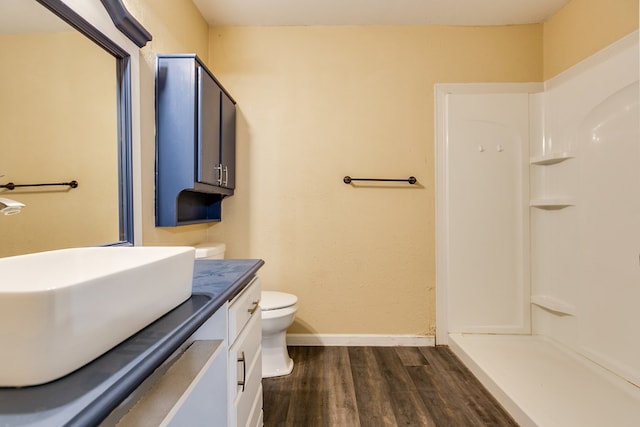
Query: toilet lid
(271, 300)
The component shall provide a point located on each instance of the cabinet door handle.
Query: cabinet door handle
(218, 169)
(226, 176)
(242, 360)
(255, 306)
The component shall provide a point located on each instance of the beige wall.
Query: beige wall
(582, 28)
(177, 27)
(318, 103)
(58, 123)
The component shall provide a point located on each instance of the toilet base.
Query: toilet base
(270, 371)
(275, 357)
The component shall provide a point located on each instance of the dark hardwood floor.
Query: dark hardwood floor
(379, 386)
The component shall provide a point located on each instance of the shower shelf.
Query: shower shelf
(551, 159)
(553, 304)
(552, 204)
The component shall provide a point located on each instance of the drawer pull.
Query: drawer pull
(253, 309)
(242, 360)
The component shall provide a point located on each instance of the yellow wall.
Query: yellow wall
(584, 27)
(318, 103)
(58, 123)
(177, 27)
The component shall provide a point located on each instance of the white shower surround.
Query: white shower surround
(581, 361)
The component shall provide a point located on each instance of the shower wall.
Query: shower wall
(585, 225)
(485, 217)
(539, 209)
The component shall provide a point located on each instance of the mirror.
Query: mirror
(65, 115)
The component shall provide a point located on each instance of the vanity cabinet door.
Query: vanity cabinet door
(245, 357)
(245, 375)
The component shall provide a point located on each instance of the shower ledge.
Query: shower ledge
(551, 159)
(554, 305)
(552, 203)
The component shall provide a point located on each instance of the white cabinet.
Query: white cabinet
(245, 361)
(190, 388)
(214, 379)
(188, 394)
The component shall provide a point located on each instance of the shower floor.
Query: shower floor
(544, 384)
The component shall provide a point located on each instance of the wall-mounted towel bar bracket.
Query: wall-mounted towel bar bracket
(411, 180)
(12, 186)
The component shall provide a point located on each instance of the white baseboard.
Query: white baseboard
(372, 340)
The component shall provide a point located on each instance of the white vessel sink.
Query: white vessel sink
(61, 309)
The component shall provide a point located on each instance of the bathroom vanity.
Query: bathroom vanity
(199, 364)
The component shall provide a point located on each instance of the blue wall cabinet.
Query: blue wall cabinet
(195, 142)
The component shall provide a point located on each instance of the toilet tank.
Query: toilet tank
(210, 250)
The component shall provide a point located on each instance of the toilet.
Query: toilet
(210, 250)
(278, 311)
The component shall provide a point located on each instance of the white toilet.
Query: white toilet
(210, 251)
(278, 311)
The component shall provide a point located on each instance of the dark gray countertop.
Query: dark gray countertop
(86, 396)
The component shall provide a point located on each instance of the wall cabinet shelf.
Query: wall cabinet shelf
(551, 159)
(195, 142)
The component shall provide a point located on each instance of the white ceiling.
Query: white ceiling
(321, 12)
(377, 12)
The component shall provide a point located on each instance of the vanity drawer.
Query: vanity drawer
(243, 307)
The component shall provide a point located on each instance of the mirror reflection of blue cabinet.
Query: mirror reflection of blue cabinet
(195, 142)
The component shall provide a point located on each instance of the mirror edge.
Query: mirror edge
(130, 223)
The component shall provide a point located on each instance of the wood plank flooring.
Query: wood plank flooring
(379, 386)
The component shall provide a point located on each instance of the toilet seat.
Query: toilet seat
(272, 300)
